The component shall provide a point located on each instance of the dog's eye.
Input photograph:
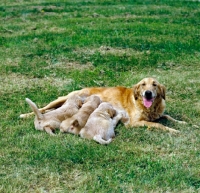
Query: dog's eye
(143, 84)
(154, 84)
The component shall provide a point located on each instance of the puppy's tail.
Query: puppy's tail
(34, 108)
(99, 139)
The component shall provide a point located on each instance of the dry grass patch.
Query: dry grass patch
(119, 51)
(66, 65)
(108, 50)
(15, 83)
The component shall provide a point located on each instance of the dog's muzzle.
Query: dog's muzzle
(148, 98)
(148, 95)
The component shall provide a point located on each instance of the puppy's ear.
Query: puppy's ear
(80, 103)
(162, 89)
(112, 112)
(75, 123)
(136, 92)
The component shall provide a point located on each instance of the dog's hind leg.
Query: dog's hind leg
(99, 139)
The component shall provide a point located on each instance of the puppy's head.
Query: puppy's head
(148, 90)
(107, 107)
(76, 100)
(70, 126)
(79, 103)
(41, 124)
(38, 124)
(94, 99)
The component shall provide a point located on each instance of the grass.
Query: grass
(49, 48)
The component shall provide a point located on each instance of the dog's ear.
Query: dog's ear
(136, 93)
(162, 89)
(75, 123)
(80, 103)
(112, 112)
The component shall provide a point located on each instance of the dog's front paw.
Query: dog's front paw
(174, 131)
(182, 122)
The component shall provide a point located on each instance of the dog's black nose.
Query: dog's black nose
(148, 94)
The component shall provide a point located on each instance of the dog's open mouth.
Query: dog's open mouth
(147, 102)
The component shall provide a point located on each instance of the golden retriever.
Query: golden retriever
(101, 123)
(51, 120)
(144, 102)
(78, 121)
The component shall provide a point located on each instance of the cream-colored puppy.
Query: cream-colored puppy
(101, 123)
(51, 120)
(78, 121)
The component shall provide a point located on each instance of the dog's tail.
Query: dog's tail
(34, 108)
(99, 139)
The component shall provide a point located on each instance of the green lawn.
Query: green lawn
(49, 48)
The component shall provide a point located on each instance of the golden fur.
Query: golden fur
(78, 121)
(130, 100)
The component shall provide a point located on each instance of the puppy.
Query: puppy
(50, 121)
(101, 123)
(78, 121)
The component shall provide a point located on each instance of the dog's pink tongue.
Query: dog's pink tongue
(147, 103)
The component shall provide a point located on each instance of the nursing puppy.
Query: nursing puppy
(101, 123)
(78, 121)
(50, 121)
(144, 102)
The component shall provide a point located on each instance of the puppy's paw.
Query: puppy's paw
(109, 140)
(99, 139)
(125, 117)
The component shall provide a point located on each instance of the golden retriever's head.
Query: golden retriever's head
(148, 90)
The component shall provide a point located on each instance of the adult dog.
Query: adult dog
(144, 102)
